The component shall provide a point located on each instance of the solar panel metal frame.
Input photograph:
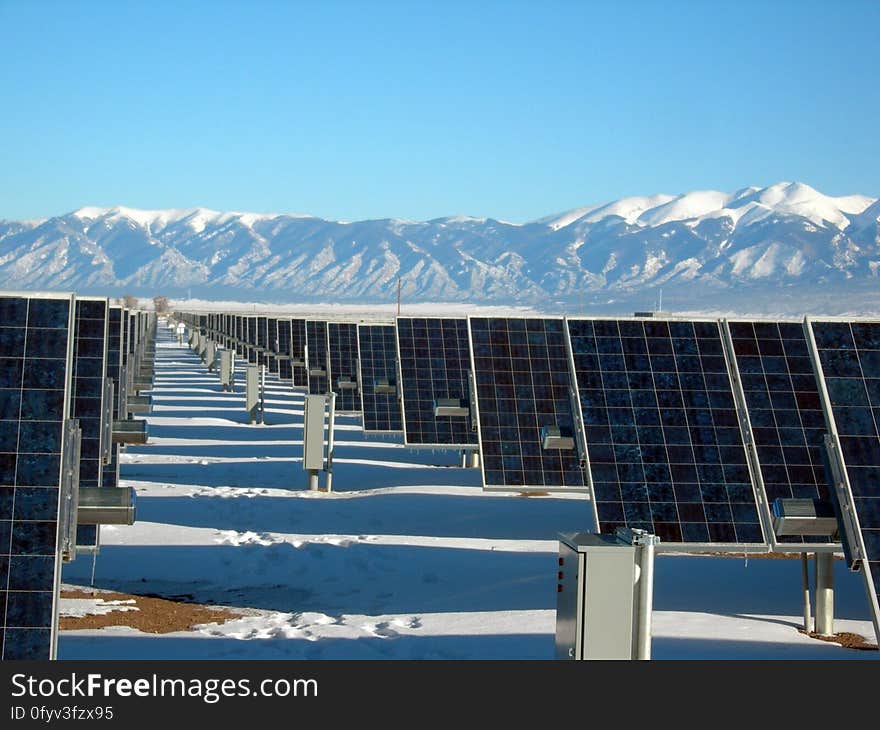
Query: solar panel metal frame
(697, 546)
(346, 403)
(747, 429)
(366, 393)
(851, 527)
(580, 450)
(58, 510)
(468, 446)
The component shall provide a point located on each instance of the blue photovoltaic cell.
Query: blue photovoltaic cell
(665, 449)
(785, 411)
(316, 363)
(377, 348)
(849, 354)
(34, 377)
(434, 364)
(523, 384)
(298, 353)
(342, 349)
(284, 367)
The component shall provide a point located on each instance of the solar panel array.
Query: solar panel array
(849, 357)
(316, 360)
(34, 404)
(377, 355)
(342, 348)
(434, 361)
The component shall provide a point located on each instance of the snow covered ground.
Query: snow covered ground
(407, 558)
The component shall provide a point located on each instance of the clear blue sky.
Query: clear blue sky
(354, 110)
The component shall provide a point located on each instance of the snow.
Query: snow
(746, 206)
(197, 219)
(80, 607)
(407, 559)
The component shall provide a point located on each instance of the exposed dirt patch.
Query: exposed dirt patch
(845, 639)
(154, 615)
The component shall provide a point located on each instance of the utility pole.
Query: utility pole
(398, 296)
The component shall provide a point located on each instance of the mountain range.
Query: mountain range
(787, 247)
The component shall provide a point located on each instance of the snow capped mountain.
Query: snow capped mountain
(786, 243)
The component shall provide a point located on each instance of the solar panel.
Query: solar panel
(434, 361)
(377, 357)
(665, 449)
(110, 475)
(89, 370)
(783, 411)
(298, 353)
(251, 335)
(849, 361)
(285, 371)
(35, 355)
(342, 344)
(239, 335)
(527, 412)
(316, 356)
(272, 340)
(262, 340)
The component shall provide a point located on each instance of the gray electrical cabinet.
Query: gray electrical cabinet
(226, 365)
(210, 355)
(252, 391)
(595, 597)
(313, 433)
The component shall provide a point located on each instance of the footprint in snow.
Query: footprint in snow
(381, 630)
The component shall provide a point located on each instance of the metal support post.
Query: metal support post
(331, 421)
(474, 459)
(262, 393)
(645, 552)
(805, 582)
(825, 594)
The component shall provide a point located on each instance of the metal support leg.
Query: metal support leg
(646, 597)
(313, 480)
(475, 460)
(805, 582)
(825, 594)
